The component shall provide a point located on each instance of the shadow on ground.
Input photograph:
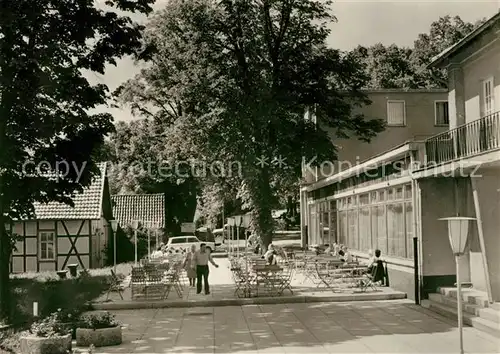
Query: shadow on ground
(360, 327)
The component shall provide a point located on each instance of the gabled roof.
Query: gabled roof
(146, 208)
(450, 51)
(88, 204)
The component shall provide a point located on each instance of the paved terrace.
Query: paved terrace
(396, 326)
(222, 294)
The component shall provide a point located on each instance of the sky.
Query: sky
(359, 22)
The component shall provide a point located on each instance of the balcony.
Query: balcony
(468, 140)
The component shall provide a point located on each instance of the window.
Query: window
(192, 240)
(488, 97)
(47, 246)
(441, 113)
(396, 113)
(178, 240)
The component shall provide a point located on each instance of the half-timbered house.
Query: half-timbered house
(60, 235)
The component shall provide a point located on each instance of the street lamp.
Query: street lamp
(114, 227)
(458, 229)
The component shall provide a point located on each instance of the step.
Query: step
(452, 302)
(492, 328)
(495, 306)
(480, 324)
(470, 296)
(489, 314)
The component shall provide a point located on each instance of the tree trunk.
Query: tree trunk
(5, 304)
(261, 195)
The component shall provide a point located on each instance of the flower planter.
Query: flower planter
(102, 337)
(30, 344)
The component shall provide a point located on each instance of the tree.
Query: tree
(231, 80)
(443, 33)
(45, 100)
(402, 67)
(140, 165)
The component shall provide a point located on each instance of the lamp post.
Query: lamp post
(458, 229)
(114, 227)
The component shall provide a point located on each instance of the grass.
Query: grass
(52, 293)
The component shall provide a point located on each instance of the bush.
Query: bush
(73, 295)
(98, 320)
(48, 327)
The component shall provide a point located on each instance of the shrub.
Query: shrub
(49, 326)
(98, 320)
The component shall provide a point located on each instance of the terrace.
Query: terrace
(466, 141)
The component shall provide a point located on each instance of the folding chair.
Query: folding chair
(138, 282)
(115, 286)
(376, 275)
(286, 278)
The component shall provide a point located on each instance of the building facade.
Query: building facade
(394, 200)
(60, 235)
(471, 151)
(409, 115)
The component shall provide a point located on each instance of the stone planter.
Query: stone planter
(98, 337)
(30, 344)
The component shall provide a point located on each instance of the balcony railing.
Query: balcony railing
(467, 140)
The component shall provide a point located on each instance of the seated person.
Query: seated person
(369, 261)
(374, 260)
(341, 254)
(347, 255)
(270, 255)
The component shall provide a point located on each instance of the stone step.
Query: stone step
(489, 314)
(452, 302)
(481, 324)
(495, 306)
(470, 296)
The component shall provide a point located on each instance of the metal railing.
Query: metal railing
(467, 140)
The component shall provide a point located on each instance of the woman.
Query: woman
(188, 266)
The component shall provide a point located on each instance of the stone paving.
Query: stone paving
(358, 327)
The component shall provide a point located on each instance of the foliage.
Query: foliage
(401, 67)
(140, 165)
(72, 295)
(98, 320)
(46, 103)
(230, 82)
(49, 326)
(125, 245)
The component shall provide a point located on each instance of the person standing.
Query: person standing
(188, 265)
(200, 263)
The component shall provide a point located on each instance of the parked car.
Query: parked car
(184, 243)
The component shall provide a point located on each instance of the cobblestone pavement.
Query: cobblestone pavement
(356, 327)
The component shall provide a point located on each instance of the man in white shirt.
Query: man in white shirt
(200, 264)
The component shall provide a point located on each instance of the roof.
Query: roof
(87, 205)
(146, 208)
(450, 51)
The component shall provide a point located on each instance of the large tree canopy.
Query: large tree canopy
(402, 67)
(45, 100)
(230, 80)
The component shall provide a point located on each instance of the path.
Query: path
(362, 327)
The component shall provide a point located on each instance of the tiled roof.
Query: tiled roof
(88, 204)
(147, 208)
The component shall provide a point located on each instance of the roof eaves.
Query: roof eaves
(438, 60)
